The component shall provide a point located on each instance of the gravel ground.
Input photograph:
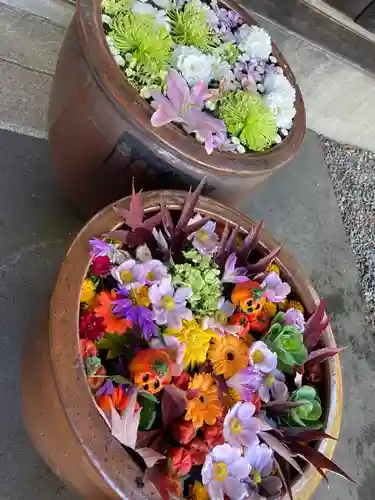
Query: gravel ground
(353, 176)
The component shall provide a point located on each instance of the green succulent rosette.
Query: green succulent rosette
(286, 341)
(310, 413)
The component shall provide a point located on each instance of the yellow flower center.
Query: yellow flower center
(141, 296)
(126, 276)
(202, 235)
(220, 471)
(151, 276)
(167, 303)
(269, 381)
(257, 478)
(235, 426)
(258, 356)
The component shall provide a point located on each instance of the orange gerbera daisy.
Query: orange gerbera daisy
(228, 355)
(205, 406)
(104, 309)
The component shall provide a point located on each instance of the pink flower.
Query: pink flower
(246, 382)
(182, 105)
(223, 472)
(273, 385)
(169, 305)
(240, 426)
(296, 318)
(275, 289)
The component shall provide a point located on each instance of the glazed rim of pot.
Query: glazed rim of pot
(170, 141)
(102, 450)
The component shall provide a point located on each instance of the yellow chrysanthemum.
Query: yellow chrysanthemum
(273, 267)
(196, 339)
(87, 291)
(205, 406)
(230, 397)
(228, 355)
(198, 492)
(295, 304)
(270, 309)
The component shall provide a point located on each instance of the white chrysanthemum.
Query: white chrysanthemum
(146, 8)
(221, 69)
(282, 108)
(208, 12)
(275, 82)
(194, 66)
(254, 41)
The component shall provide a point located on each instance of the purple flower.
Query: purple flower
(151, 272)
(100, 248)
(260, 458)
(106, 388)
(241, 428)
(205, 240)
(223, 473)
(262, 358)
(139, 315)
(233, 274)
(246, 382)
(273, 385)
(223, 143)
(169, 304)
(182, 105)
(219, 323)
(275, 289)
(296, 318)
(254, 69)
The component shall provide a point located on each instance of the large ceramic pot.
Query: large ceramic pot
(58, 407)
(101, 136)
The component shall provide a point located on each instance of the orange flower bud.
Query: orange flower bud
(198, 451)
(180, 461)
(182, 381)
(213, 434)
(183, 431)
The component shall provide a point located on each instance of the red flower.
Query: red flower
(91, 326)
(255, 399)
(241, 319)
(88, 348)
(179, 461)
(198, 451)
(101, 266)
(259, 321)
(96, 382)
(183, 431)
(182, 381)
(213, 434)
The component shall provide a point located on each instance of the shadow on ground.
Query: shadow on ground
(298, 207)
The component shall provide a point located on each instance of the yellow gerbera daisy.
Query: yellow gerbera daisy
(205, 406)
(198, 492)
(196, 339)
(87, 291)
(295, 304)
(228, 355)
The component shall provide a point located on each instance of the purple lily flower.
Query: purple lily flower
(233, 274)
(100, 248)
(184, 105)
(106, 388)
(296, 318)
(223, 143)
(275, 289)
(246, 382)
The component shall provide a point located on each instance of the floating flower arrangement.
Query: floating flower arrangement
(201, 359)
(204, 69)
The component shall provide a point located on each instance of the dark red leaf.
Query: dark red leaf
(315, 326)
(191, 201)
(134, 216)
(301, 434)
(318, 460)
(173, 404)
(156, 475)
(144, 438)
(166, 217)
(320, 355)
(151, 222)
(232, 241)
(281, 407)
(284, 476)
(280, 448)
(262, 264)
(195, 226)
(248, 245)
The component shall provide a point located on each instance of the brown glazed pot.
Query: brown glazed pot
(101, 136)
(58, 407)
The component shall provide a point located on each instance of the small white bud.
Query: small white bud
(273, 60)
(110, 40)
(260, 88)
(241, 149)
(284, 132)
(106, 19)
(120, 61)
(235, 140)
(114, 50)
(278, 139)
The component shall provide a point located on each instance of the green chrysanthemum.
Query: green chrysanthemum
(248, 118)
(114, 7)
(149, 44)
(189, 26)
(202, 275)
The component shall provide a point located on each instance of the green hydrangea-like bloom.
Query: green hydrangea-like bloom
(202, 275)
(227, 52)
(189, 26)
(309, 414)
(248, 118)
(286, 341)
(149, 44)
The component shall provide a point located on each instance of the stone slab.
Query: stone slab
(28, 40)
(58, 11)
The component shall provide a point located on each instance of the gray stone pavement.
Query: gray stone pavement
(298, 207)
